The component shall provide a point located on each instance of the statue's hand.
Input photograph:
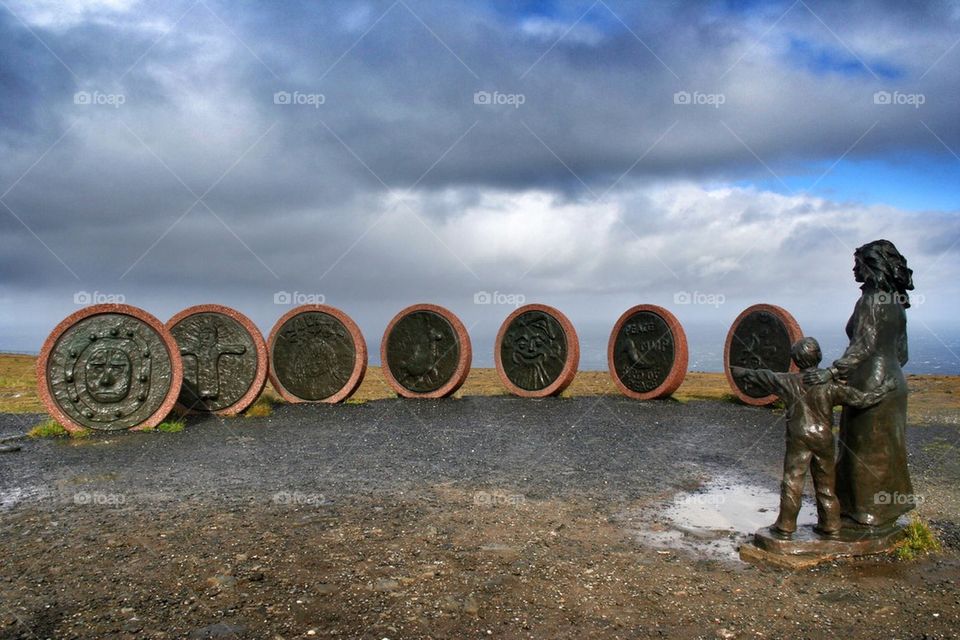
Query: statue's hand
(820, 376)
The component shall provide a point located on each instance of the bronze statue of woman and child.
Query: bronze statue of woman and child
(861, 482)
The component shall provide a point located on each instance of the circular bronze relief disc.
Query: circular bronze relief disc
(647, 352)
(536, 352)
(425, 352)
(109, 367)
(760, 338)
(317, 354)
(224, 359)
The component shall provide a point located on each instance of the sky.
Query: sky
(593, 155)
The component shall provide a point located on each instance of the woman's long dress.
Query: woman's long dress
(873, 482)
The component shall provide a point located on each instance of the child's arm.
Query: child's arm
(862, 399)
(765, 380)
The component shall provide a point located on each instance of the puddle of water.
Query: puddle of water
(9, 498)
(712, 521)
(73, 492)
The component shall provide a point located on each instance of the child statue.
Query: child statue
(809, 434)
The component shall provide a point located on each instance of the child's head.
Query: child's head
(806, 353)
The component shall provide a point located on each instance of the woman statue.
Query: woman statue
(873, 482)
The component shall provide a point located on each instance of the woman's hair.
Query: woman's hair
(885, 269)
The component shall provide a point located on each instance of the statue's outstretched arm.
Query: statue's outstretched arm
(862, 399)
(763, 379)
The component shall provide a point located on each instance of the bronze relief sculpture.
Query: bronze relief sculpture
(109, 367)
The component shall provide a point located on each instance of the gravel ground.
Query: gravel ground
(474, 517)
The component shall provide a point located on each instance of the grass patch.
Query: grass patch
(53, 429)
(48, 429)
(353, 400)
(171, 426)
(18, 385)
(920, 540)
(262, 408)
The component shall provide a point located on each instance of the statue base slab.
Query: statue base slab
(807, 548)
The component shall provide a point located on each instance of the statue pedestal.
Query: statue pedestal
(807, 548)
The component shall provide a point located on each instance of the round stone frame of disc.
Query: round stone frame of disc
(173, 352)
(359, 363)
(793, 332)
(463, 364)
(569, 370)
(680, 354)
(259, 379)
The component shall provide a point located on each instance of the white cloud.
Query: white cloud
(530, 229)
(548, 30)
(357, 18)
(744, 242)
(63, 14)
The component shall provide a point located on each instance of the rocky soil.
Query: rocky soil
(470, 518)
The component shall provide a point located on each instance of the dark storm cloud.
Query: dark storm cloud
(27, 74)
